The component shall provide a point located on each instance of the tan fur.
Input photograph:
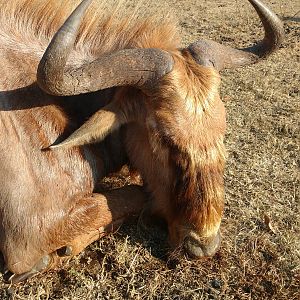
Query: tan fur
(28, 26)
(176, 140)
(40, 189)
(182, 160)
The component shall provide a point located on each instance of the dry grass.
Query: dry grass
(260, 253)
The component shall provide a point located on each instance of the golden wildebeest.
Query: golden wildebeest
(160, 112)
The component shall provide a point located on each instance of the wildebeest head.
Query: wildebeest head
(173, 96)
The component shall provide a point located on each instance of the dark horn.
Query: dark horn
(137, 67)
(210, 53)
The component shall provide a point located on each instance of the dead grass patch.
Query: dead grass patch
(262, 178)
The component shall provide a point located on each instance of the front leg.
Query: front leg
(103, 213)
(91, 218)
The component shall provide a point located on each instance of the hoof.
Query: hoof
(42, 265)
(65, 251)
(197, 248)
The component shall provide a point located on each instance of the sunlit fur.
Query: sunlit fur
(28, 26)
(184, 125)
(195, 133)
(176, 141)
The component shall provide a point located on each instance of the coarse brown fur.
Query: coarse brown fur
(196, 141)
(27, 26)
(184, 126)
(176, 143)
(42, 193)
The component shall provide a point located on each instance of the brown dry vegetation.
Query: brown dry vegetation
(260, 253)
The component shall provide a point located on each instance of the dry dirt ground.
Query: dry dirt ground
(260, 253)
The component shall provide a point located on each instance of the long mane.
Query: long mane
(28, 25)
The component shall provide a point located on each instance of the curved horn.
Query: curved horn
(210, 53)
(137, 67)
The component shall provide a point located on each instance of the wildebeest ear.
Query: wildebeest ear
(96, 128)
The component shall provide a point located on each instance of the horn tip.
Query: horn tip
(57, 146)
(52, 147)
